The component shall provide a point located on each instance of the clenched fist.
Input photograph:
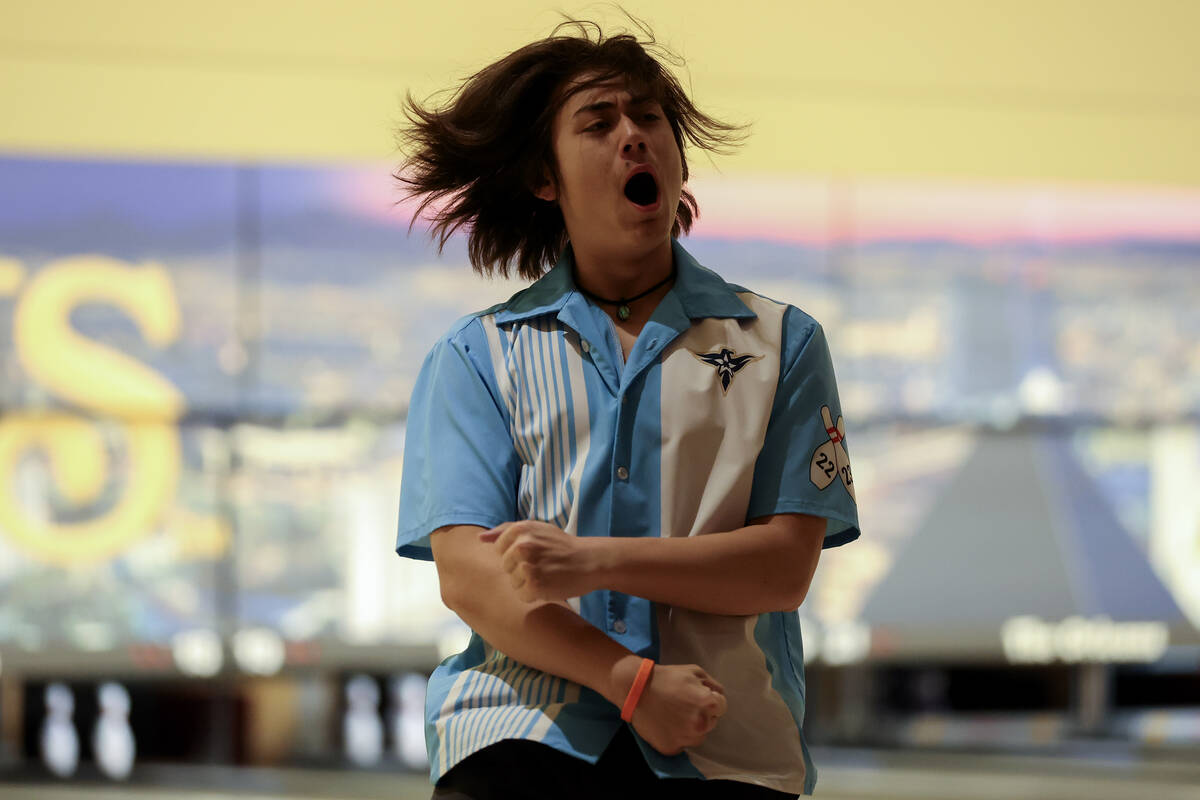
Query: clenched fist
(679, 707)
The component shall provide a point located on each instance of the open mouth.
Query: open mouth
(642, 189)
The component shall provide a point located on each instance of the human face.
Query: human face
(603, 136)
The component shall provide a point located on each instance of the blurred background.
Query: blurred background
(212, 315)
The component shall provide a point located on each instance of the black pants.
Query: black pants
(519, 770)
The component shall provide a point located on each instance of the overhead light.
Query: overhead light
(846, 643)
(197, 652)
(259, 651)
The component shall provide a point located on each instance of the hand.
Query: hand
(542, 561)
(680, 706)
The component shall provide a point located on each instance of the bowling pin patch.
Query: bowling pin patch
(830, 461)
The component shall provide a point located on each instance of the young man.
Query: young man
(626, 473)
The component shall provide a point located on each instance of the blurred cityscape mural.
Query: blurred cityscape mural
(206, 368)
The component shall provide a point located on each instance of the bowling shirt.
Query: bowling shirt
(726, 410)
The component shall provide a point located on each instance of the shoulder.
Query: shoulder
(476, 336)
(798, 326)
(531, 300)
(468, 330)
(463, 345)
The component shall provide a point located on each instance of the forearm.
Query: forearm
(750, 570)
(548, 636)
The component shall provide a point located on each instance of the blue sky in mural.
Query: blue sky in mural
(51, 190)
(51, 207)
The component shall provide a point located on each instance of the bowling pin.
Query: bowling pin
(59, 741)
(843, 458)
(362, 728)
(112, 738)
(833, 449)
(408, 720)
(823, 469)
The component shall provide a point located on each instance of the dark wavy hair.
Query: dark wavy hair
(489, 147)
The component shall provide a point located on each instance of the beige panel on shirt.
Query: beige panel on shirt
(710, 443)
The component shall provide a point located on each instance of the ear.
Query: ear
(546, 190)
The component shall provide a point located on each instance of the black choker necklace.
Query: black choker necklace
(623, 304)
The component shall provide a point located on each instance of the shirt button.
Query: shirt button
(586, 345)
(619, 626)
(622, 473)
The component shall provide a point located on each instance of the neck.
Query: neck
(622, 275)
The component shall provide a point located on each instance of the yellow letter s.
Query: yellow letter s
(107, 383)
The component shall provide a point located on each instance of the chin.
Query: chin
(650, 231)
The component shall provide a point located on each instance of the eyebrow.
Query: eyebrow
(604, 105)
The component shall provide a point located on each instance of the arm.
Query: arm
(546, 635)
(765, 566)
(681, 703)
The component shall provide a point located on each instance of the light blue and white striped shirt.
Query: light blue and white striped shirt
(726, 410)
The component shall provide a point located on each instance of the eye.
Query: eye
(595, 126)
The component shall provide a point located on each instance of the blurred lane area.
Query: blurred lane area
(844, 775)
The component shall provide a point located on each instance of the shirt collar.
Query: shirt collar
(699, 291)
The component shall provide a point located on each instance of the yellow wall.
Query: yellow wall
(1093, 90)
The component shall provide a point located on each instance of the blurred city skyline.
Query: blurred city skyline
(252, 333)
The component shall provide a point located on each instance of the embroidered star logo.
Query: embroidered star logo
(727, 364)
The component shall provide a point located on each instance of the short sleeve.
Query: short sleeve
(460, 466)
(804, 464)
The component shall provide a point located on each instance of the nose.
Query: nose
(633, 136)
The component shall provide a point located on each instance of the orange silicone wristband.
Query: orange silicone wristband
(635, 691)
